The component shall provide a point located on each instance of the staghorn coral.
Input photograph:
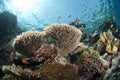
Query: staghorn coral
(57, 71)
(65, 37)
(18, 71)
(10, 77)
(27, 42)
(89, 63)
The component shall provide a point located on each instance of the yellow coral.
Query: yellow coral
(107, 39)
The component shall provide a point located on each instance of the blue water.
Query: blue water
(37, 14)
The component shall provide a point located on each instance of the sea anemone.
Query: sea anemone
(27, 42)
(65, 37)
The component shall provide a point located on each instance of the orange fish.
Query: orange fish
(85, 61)
(76, 20)
(25, 61)
(35, 53)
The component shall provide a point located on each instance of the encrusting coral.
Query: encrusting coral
(57, 71)
(18, 71)
(65, 37)
(89, 63)
(27, 42)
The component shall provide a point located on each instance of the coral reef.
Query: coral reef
(56, 54)
(20, 72)
(27, 42)
(89, 63)
(57, 71)
(65, 37)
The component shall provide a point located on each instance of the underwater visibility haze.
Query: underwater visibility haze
(60, 40)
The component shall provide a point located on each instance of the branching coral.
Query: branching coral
(107, 41)
(28, 41)
(66, 37)
(57, 71)
(89, 63)
(18, 71)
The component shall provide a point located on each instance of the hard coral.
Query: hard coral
(18, 71)
(89, 63)
(47, 53)
(57, 71)
(66, 37)
(27, 42)
(107, 40)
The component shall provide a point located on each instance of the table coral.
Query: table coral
(66, 37)
(27, 42)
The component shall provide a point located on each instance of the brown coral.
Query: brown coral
(28, 41)
(57, 71)
(89, 63)
(46, 54)
(66, 37)
(18, 71)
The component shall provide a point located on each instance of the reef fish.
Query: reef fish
(24, 61)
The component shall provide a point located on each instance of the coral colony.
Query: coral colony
(61, 52)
